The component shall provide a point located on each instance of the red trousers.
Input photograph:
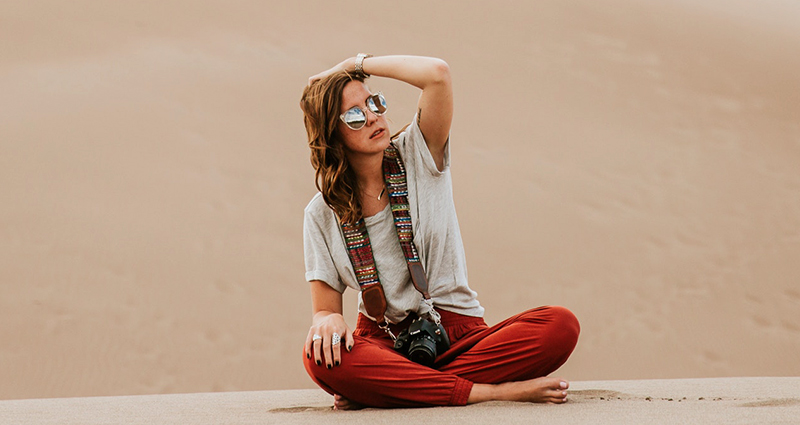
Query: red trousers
(526, 346)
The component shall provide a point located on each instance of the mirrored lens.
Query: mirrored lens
(377, 103)
(355, 118)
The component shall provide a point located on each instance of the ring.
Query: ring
(336, 339)
(315, 337)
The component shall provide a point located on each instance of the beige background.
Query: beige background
(636, 162)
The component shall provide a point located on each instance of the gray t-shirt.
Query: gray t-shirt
(436, 236)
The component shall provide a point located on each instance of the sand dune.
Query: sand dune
(634, 162)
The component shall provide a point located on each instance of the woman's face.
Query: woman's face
(371, 139)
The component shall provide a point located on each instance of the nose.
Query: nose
(371, 116)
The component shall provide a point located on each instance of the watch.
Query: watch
(360, 64)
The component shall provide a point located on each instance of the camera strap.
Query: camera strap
(360, 251)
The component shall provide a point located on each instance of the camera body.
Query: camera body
(422, 341)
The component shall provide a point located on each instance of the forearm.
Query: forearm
(419, 71)
(324, 301)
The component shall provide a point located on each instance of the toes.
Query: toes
(561, 383)
(341, 403)
(556, 396)
(338, 401)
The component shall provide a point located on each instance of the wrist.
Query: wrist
(323, 314)
(358, 65)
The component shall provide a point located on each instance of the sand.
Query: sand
(635, 162)
(688, 401)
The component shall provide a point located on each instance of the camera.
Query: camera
(422, 341)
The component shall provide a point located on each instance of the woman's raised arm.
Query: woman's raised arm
(432, 75)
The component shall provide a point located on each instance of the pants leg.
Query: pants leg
(375, 375)
(528, 345)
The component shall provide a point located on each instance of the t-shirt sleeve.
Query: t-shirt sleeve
(319, 262)
(414, 144)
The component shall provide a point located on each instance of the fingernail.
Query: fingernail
(349, 347)
(319, 362)
(336, 363)
(308, 355)
(329, 366)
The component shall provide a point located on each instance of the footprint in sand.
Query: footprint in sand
(599, 395)
(301, 409)
(773, 402)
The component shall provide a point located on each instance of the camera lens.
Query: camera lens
(423, 351)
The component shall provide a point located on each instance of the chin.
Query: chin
(382, 140)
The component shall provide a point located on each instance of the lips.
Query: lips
(378, 133)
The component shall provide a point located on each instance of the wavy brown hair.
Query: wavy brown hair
(321, 104)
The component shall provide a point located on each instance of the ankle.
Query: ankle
(483, 392)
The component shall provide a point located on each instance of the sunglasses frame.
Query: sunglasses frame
(378, 95)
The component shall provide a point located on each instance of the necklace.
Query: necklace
(380, 195)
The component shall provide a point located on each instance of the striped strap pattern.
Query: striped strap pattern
(395, 175)
(357, 238)
(360, 252)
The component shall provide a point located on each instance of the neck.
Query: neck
(368, 170)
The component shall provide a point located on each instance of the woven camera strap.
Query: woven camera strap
(360, 250)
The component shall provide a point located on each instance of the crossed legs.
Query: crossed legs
(509, 361)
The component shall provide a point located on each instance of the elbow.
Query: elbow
(440, 72)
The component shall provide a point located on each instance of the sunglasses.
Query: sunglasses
(356, 117)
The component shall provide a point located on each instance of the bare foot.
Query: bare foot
(539, 390)
(341, 403)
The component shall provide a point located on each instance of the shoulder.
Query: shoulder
(414, 150)
(316, 205)
(319, 212)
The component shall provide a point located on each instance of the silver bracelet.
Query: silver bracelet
(360, 64)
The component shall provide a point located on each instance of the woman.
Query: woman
(350, 142)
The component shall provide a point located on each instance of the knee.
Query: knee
(332, 378)
(564, 327)
(316, 368)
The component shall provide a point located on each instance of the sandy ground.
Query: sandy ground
(636, 162)
(688, 401)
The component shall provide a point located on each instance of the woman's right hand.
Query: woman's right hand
(325, 324)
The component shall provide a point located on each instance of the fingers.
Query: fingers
(327, 349)
(325, 340)
(336, 349)
(317, 347)
(326, 352)
(349, 340)
(337, 68)
(319, 76)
